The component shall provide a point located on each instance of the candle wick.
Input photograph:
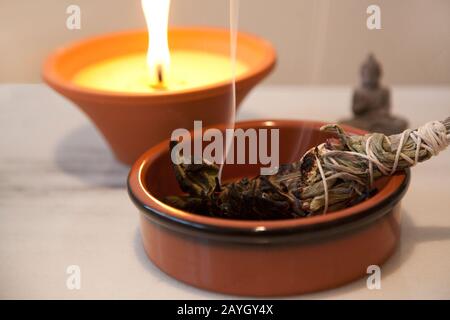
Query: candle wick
(160, 74)
(159, 84)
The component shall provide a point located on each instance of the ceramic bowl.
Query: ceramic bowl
(264, 258)
(132, 122)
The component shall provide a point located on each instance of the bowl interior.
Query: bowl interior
(295, 139)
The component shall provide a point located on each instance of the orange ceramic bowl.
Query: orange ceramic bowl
(133, 122)
(264, 258)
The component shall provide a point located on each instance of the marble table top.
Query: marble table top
(63, 201)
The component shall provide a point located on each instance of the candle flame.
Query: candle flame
(156, 14)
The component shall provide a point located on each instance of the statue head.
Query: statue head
(371, 73)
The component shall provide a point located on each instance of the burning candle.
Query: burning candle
(137, 91)
(158, 69)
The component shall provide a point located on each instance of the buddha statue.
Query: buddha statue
(371, 103)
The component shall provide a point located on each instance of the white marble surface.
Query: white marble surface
(63, 201)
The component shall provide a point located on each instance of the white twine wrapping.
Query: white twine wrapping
(432, 137)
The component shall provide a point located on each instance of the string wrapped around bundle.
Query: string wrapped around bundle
(333, 175)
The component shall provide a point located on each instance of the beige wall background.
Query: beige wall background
(318, 41)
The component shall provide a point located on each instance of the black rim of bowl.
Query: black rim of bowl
(311, 232)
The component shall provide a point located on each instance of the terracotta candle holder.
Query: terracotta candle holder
(131, 122)
(264, 258)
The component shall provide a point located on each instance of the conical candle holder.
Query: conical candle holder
(131, 122)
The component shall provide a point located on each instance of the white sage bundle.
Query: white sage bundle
(346, 169)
